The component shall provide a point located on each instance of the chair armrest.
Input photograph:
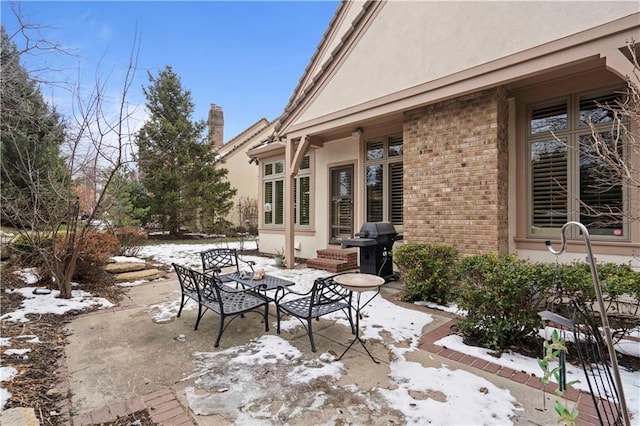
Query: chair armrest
(251, 263)
(214, 270)
(237, 291)
(283, 291)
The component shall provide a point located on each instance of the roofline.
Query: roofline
(450, 85)
(244, 135)
(298, 93)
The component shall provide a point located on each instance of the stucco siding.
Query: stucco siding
(242, 175)
(418, 42)
(309, 240)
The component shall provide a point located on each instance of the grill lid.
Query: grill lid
(377, 230)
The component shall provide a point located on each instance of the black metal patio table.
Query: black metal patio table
(263, 285)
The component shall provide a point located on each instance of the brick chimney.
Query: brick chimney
(216, 126)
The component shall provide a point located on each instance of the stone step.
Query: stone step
(145, 274)
(331, 265)
(120, 267)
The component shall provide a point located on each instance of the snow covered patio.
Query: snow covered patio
(139, 351)
(262, 378)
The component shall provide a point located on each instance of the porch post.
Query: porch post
(293, 156)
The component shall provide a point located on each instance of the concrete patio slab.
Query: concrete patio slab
(121, 357)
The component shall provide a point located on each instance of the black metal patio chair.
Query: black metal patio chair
(188, 288)
(226, 301)
(326, 296)
(217, 259)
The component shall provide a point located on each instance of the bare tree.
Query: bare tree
(42, 201)
(248, 212)
(613, 154)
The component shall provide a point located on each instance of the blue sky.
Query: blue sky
(246, 57)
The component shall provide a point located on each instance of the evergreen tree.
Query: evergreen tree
(177, 166)
(33, 171)
(128, 201)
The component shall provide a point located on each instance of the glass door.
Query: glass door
(341, 203)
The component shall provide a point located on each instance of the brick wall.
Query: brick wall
(456, 173)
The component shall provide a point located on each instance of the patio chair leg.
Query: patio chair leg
(220, 330)
(182, 303)
(266, 317)
(200, 314)
(310, 332)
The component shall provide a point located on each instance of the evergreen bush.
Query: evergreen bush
(428, 271)
(502, 296)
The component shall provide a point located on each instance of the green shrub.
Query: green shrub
(502, 296)
(575, 282)
(428, 271)
(617, 280)
(39, 251)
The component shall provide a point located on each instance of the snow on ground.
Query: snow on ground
(35, 303)
(225, 380)
(630, 380)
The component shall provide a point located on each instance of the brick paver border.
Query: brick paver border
(163, 405)
(586, 411)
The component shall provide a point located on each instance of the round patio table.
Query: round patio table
(360, 283)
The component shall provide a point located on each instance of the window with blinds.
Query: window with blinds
(273, 187)
(375, 193)
(549, 118)
(303, 194)
(600, 191)
(548, 184)
(268, 203)
(395, 192)
(593, 109)
(568, 179)
(384, 179)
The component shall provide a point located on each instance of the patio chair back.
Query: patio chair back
(214, 295)
(188, 286)
(209, 289)
(326, 296)
(214, 260)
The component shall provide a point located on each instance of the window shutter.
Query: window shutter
(375, 193)
(549, 184)
(396, 192)
(305, 208)
(279, 203)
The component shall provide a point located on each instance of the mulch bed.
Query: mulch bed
(35, 383)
